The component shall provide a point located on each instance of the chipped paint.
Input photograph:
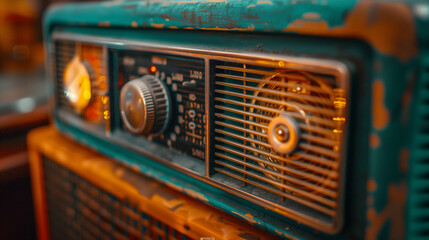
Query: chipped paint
(104, 24)
(264, 2)
(372, 185)
(248, 217)
(374, 140)
(393, 19)
(380, 114)
(196, 195)
(350, 19)
(393, 211)
(311, 15)
(173, 202)
(166, 3)
(158, 25)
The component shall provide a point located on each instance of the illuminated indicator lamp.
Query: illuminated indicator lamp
(77, 84)
(153, 69)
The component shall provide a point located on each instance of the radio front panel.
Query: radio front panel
(184, 81)
(270, 129)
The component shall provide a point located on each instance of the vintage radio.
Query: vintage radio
(308, 119)
(80, 194)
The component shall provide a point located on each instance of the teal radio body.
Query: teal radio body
(309, 119)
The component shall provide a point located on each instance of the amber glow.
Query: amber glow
(153, 69)
(105, 99)
(77, 84)
(106, 115)
(340, 104)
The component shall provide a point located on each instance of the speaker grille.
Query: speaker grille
(78, 209)
(247, 99)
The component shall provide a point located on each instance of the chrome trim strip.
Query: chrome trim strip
(336, 68)
(331, 67)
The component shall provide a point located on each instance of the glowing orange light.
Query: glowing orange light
(105, 99)
(106, 114)
(153, 69)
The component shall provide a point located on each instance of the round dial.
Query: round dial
(144, 105)
(77, 84)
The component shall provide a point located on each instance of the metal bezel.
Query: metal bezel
(335, 68)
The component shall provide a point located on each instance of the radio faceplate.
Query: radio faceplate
(230, 121)
(184, 78)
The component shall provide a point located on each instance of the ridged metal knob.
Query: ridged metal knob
(144, 105)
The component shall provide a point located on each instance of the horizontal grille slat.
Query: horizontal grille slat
(240, 129)
(297, 199)
(258, 110)
(320, 150)
(243, 112)
(245, 70)
(293, 171)
(281, 94)
(243, 138)
(318, 160)
(287, 73)
(280, 84)
(319, 140)
(326, 112)
(311, 197)
(331, 174)
(318, 130)
(276, 111)
(240, 120)
(292, 189)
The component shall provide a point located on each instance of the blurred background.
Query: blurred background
(23, 106)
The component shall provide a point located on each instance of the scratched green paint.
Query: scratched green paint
(250, 17)
(253, 14)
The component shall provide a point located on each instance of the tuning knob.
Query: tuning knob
(144, 105)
